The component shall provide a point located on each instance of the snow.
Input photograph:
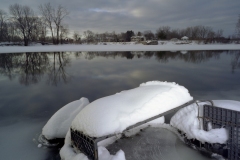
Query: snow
(162, 46)
(59, 124)
(184, 38)
(187, 121)
(228, 104)
(113, 114)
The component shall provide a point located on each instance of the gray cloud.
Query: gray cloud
(140, 15)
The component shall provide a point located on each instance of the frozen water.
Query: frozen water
(19, 141)
(154, 144)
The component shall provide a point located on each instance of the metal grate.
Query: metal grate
(221, 117)
(85, 144)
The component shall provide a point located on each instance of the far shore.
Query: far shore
(168, 46)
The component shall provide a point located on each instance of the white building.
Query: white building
(138, 38)
(185, 38)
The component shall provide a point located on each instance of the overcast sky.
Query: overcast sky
(140, 15)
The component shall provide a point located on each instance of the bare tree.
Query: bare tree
(59, 14)
(42, 28)
(203, 31)
(163, 32)
(76, 37)
(24, 18)
(3, 25)
(46, 11)
(53, 18)
(63, 33)
(195, 32)
(89, 35)
(219, 33)
(12, 34)
(148, 35)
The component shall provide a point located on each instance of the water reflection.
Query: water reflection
(235, 61)
(56, 69)
(31, 67)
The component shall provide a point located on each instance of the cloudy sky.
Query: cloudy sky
(140, 15)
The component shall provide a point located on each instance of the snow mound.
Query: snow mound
(113, 114)
(187, 121)
(68, 153)
(59, 124)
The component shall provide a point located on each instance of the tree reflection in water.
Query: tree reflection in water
(56, 70)
(235, 60)
(31, 67)
(6, 65)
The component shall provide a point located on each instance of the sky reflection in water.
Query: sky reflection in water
(33, 86)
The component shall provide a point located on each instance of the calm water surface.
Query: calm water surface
(33, 86)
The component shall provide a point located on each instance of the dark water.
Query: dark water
(33, 86)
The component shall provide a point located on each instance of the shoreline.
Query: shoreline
(117, 47)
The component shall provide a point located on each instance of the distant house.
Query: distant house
(185, 38)
(138, 38)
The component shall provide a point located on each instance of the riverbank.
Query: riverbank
(167, 46)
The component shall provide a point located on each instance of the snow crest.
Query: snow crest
(58, 125)
(113, 114)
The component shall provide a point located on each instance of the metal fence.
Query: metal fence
(220, 117)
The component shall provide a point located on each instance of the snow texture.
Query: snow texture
(113, 114)
(187, 121)
(162, 46)
(58, 125)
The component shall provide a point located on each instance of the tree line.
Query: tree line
(23, 24)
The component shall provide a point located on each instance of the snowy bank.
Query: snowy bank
(118, 47)
(113, 114)
(186, 120)
(59, 124)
